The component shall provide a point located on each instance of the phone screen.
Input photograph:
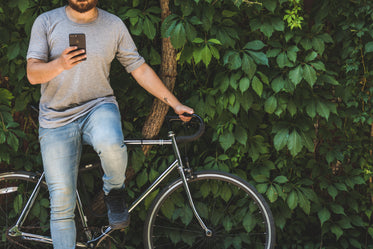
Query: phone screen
(78, 40)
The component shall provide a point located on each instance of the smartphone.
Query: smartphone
(79, 41)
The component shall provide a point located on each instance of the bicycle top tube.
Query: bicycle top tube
(179, 139)
(147, 142)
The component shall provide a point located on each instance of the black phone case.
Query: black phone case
(78, 40)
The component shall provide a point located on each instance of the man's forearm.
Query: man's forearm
(39, 72)
(149, 80)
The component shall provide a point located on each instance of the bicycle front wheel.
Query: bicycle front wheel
(15, 190)
(232, 209)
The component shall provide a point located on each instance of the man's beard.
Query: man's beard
(83, 7)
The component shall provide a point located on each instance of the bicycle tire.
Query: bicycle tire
(225, 202)
(15, 189)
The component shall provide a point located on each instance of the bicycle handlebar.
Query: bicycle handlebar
(196, 135)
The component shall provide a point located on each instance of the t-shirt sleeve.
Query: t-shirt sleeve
(38, 46)
(127, 53)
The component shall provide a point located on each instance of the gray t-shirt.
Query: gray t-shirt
(75, 92)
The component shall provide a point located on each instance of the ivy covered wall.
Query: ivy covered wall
(284, 86)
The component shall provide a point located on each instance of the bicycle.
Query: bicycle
(207, 209)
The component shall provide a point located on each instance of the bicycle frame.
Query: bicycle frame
(94, 242)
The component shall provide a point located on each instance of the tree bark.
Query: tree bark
(168, 73)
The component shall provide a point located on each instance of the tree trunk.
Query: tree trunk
(168, 73)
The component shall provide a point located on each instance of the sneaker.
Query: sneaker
(117, 210)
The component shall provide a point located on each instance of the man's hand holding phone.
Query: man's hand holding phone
(74, 54)
(71, 56)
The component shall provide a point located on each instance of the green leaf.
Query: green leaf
(318, 65)
(155, 58)
(259, 57)
(244, 84)
(149, 199)
(267, 29)
(168, 208)
(291, 107)
(306, 43)
(337, 209)
(278, 84)
(233, 59)
(149, 29)
(311, 108)
(248, 65)
(309, 74)
(369, 47)
(304, 203)
(330, 79)
(206, 55)
(308, 142)
(323, 109)
(186, 7)
(226, 140)
(249, 222)
(296, 75)
(257, 86)
(282, 60)
(13, 141)
(311, 56)
(178, 37)
(281, 139)
(214, 41)
(292, 53)
(292, 200)
(262, 188)
(226, 193)
(23, 5)
(168, 25)
(227, 13)
(270, 105)
(270, 5)
(5, 96)
(18, 203)
(198, 40)
(227, 223)
(13, 50)
(254, 45)
(333, 192)
(271, 53)
(295, 143)
(142, 178)
(337, 231)
(281, 179)
(272, 193)
(197, 55)
(324, 215)
(318, 45)
(241, 135)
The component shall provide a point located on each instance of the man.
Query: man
(77, 105)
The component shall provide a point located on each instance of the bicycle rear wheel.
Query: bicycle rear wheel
(236, 213)
(15, 190)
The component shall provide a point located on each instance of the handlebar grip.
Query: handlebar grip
(196, 135)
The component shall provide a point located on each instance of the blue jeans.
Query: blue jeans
(61, 150)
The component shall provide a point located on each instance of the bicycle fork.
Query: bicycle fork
(180, 167)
